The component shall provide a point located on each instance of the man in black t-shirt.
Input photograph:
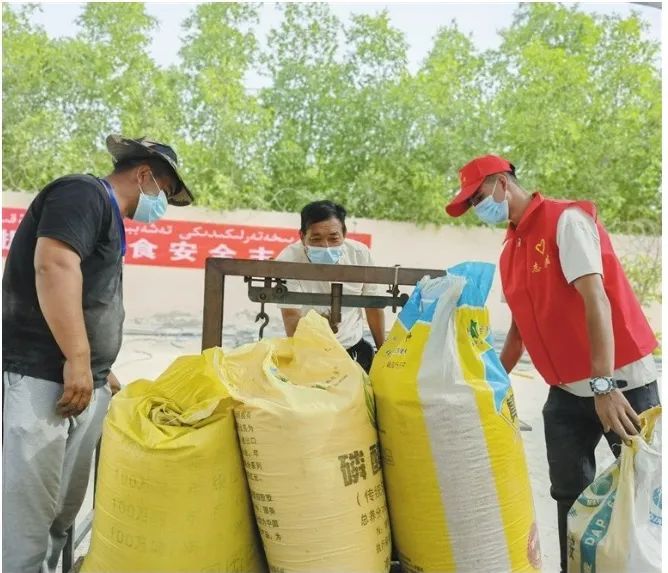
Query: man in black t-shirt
(62, 320)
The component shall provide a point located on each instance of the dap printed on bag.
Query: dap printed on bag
(171, 492)
(306, 426)
(615, 524)
(455, 472)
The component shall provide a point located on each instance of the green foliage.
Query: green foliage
(644, 273)
(573, 99)
(642, 265)
(579, 103)
(225, 128)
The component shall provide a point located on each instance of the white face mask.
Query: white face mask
(324, 255)
(151, 208)
(490, 211)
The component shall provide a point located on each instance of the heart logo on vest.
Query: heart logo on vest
(540, 247)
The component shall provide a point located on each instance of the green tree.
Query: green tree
(307, 85)
(452, 92)
(641, 260)
(225, 126)
(578, 107)
(33, 119)
(368, 143)
(65, 95)
(573, 99)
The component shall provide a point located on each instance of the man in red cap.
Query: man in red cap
(574, 311)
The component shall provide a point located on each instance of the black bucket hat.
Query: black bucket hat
(124, 148)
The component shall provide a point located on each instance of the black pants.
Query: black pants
(572, 432)
(362, 353)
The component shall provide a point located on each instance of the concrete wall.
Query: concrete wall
(171, 298)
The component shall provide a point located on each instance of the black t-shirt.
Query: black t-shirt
(76, 210)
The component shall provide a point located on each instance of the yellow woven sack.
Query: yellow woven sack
(307, 431)
(456, 477)
(172, 494)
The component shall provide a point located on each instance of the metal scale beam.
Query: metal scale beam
(273, 274)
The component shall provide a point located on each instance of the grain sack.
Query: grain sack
(456, 477)
(615, 525)
(171, 492)
(307, 432)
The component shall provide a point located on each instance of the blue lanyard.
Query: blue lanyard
(117, 214)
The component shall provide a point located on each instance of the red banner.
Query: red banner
(187, 243)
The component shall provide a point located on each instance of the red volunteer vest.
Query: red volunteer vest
(549, 313)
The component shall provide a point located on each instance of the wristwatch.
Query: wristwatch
(601, 385)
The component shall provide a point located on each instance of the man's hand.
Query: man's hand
(114, 384)
(375, 318)
(513, 348)
(78, 383)
(616, 414)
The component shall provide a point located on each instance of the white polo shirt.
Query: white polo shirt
(580, 254)
(351, 327)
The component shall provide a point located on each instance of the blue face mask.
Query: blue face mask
(324, 255)
(491, 212)
(151, 208)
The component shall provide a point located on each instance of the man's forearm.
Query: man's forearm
(612, 408)
(600, 334)
(59, 291)
(376, 319)
(599, 323)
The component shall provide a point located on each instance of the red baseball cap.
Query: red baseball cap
(471, 177)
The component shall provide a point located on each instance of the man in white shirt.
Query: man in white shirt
(575, 312)
(323, 241)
